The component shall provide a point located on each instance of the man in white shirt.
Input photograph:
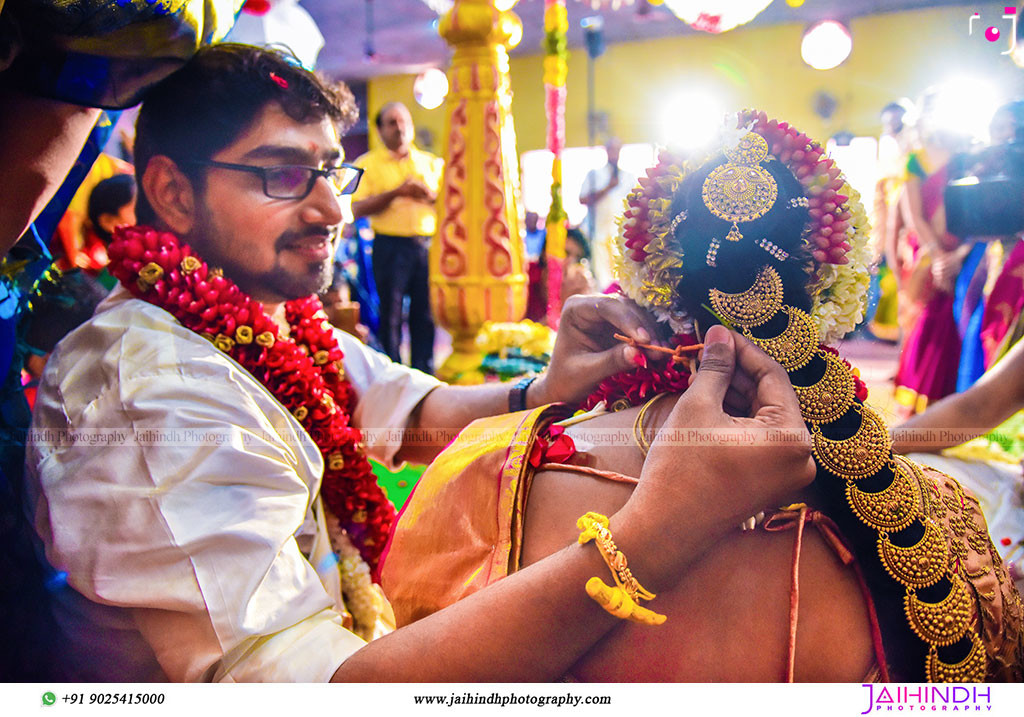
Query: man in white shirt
(181, 497)
(603, 193)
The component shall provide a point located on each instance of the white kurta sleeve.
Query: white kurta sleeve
(388, 392)
(188, 521)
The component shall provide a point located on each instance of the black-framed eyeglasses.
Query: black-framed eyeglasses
(293, 181)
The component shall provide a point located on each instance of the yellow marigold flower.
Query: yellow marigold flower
(216, 271)
(189, 264)
(300, 413)
(243, 334)
(556, 19)
(150, 273)
(321, 357)
(266, 339)
(208, 336)
(327, 402)
(224, 343)
(336, 462)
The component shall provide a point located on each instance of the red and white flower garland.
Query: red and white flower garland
(304, 372)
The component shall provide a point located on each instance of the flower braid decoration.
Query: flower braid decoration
(304, 372)
(886, 493)
(648, 265)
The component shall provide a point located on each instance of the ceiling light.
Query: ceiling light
(430, 88)
(826, 44)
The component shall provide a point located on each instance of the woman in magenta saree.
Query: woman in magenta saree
(931, 351)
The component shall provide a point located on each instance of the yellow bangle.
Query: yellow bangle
(621, 600)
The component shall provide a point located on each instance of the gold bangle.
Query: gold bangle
(638, 425)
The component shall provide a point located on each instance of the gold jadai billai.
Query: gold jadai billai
(919, 565)
(862, 454)
(943, 622)
(741, 190)
(796, 345)
(831, 396)
(909, 501)
(754, 306)
(971, 669)
(892, 508)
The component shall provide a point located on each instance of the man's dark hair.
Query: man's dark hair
(378, 119)
(211, 101)
(108, 197)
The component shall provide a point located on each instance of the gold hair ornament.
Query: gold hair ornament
(752, 307)
(944, 622)
(831, 396)
(919, 565)
(970, 669)
(893, 508)
(859, 456)
(908, 499)
(741, 190)
(796, 345)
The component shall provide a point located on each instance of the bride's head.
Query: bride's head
(763, 194)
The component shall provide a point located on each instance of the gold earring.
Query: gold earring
(754, 306)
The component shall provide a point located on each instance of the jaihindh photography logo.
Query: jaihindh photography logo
(927, 698)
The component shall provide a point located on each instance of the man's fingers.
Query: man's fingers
(773, 387)
(626, 318)
(716, 367)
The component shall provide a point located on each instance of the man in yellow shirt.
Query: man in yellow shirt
(397, 192)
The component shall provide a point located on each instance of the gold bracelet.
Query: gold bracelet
(622, 599)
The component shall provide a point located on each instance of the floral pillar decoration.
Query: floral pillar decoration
(556, 24)
(476, 262)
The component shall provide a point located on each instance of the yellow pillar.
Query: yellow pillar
(476, 262)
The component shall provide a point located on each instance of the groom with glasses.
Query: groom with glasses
(171, 476)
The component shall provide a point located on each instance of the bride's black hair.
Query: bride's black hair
(738, 262)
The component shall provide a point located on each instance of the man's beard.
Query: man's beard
(277, 284)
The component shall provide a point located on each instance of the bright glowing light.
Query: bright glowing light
(965, 105)
(690, 119)
(430, 88)
(716, 16)
(826, 44)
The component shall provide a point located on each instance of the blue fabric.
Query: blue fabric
(972, 356)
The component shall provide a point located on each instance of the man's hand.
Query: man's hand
(737, 464)
(586, 351)
(415, 189)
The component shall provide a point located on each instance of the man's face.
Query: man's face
(612, 149)
(274, 249)
(396, 129)
(892, 122)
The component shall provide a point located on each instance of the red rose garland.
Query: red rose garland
(650, 378)
(303, 372)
